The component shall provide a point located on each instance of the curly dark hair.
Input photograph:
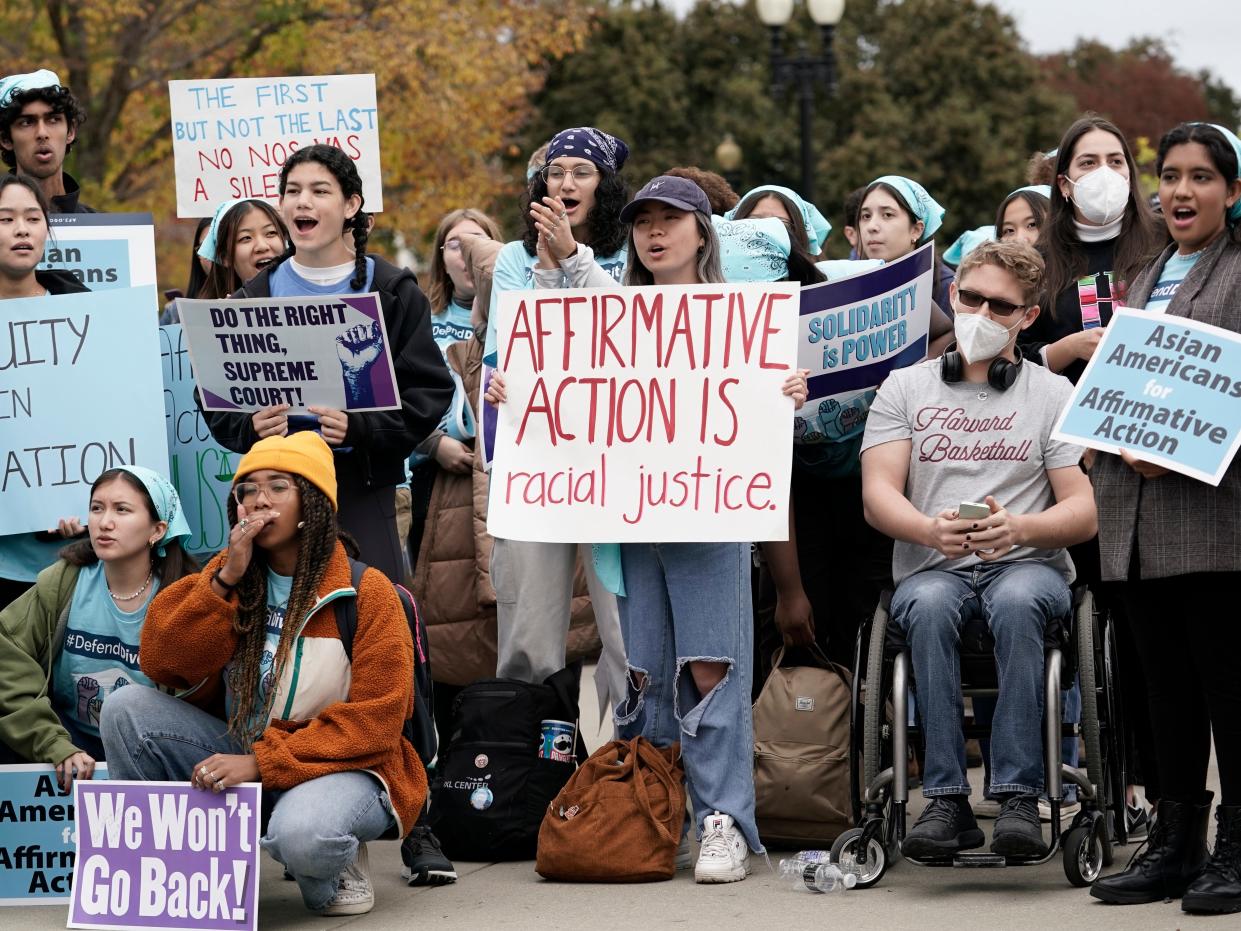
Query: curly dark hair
(59, 98)
(318, 537)
(175, 562)
(607, 232)
(719, 192)
(346, 174)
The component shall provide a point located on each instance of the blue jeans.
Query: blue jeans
(687, 602)
(314, 828)
(1016, 599)
(1071, 708)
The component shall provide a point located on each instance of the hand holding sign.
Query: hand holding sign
(333, 424)
(271, 421)
(222, 770)
(79, 763)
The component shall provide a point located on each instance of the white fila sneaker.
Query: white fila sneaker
(724, 856)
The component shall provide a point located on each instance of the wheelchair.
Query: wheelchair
(1081, 644)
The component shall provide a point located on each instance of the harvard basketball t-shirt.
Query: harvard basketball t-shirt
(969, 441)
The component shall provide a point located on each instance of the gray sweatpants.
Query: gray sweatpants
(534, 589)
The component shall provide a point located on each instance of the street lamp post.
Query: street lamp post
(728, 156)
(803, 68)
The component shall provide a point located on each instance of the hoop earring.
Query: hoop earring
(301, 524)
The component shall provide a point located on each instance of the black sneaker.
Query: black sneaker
(425, 863)
(1137, 821)
(945, 826)
(1017, 829)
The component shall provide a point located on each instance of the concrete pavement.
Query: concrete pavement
(512, 896)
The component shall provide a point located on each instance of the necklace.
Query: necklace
(116, 597)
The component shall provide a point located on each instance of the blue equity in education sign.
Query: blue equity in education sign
(1167, 389)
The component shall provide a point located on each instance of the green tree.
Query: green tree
(940, 90)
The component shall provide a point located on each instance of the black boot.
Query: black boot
(1218, 887)
(1176, 852)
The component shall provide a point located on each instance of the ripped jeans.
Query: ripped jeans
(687, 602)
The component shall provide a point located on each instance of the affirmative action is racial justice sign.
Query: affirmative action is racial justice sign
(855, 331)
(645, 414)
(1167, 389)
(80, 392)
(37, 835)
(231, 136)
(300, 351)
(165, 855)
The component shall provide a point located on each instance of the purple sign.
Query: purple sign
(165, 855)
(322, 351)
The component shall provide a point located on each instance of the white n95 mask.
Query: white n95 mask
(1101, 195)
(980, 337)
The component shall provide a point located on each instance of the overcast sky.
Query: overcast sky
(1201, 33)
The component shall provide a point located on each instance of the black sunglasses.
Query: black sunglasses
(998, 306)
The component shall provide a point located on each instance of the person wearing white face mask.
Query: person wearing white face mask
(1099, 235)
(975, 426)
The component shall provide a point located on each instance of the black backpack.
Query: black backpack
(491, 787)
(420, 729)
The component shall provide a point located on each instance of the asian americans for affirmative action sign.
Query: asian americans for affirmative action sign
(38, 835)
(645, 414)
(165, 855)
(301, 351)
(1165, 388)
(231, 136)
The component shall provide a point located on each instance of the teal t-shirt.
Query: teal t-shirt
(451, 326)
(1174, 272)
(23, 556)
(100, 651)
(278, 589)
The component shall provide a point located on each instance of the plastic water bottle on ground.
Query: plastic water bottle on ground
(794, 866)
(827, 877)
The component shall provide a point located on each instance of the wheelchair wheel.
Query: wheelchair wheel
(876, 701)
(844, 855)
(1083, 852)
(1087, 671)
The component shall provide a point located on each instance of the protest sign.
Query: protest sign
(37, 839)
(1164, 388)
(200, 468)
(165, 855)
(326, 351)
(853, 332)
(230, 137)
(104, 251)
(644, 414)
(79, 394)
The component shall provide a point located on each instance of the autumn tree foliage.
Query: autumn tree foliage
(1139, 87)
(454, 82)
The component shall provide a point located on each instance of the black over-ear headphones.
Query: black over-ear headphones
(1001, 374)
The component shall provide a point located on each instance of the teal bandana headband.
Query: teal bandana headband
(167, 505)
(817, 227)
(922, 204)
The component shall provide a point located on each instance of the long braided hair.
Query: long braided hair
(346, 174)
(248, 719)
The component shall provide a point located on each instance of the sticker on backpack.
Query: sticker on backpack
(804, 703)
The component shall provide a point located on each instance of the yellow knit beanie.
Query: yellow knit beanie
(303, 453)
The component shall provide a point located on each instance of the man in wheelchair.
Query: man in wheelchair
(975, 426)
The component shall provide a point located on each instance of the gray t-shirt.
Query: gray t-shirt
(969, 441)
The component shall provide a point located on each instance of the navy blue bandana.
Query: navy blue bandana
(587, 142)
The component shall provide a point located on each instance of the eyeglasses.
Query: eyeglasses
(452, 245)
(247, 493)
(998, 306)
(581, 174)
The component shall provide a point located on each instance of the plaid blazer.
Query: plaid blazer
(1178, 524)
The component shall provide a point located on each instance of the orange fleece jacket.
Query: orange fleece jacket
(188, 638)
